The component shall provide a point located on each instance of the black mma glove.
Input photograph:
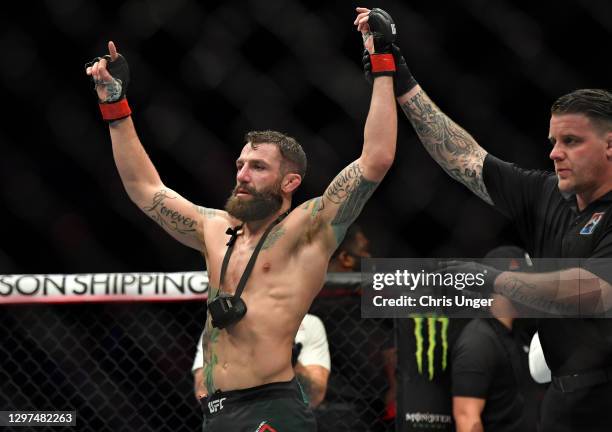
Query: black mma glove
(295, 353)
(403, 81)
(483, 276)
(382, 29)
(114, 106)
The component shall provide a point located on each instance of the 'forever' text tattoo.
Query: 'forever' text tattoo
(167, 217)
(450, 145)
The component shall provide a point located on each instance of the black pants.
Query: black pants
(275, 407)
(584, 410)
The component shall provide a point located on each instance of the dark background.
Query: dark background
(204, 73)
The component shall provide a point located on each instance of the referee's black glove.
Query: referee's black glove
(403, 81)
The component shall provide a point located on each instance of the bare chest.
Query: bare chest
(269, 264)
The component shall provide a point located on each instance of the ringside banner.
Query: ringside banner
(103, 287)
(469, 288)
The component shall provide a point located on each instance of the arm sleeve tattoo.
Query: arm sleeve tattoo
(451, 146)
(349, 191)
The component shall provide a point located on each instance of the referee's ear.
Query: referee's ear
(609, 148)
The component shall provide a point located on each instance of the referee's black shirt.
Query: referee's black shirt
(550, 226)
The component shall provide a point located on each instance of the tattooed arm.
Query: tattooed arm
(179, 217)
(451, 146)
(347, 194)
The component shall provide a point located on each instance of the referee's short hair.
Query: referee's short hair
(596, 104)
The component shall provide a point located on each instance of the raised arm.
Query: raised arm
(345, 197)
(348, 192)
(179, 217)
(450, 145)
(176, 215)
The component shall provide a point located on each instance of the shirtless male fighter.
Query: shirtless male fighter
(248, 339)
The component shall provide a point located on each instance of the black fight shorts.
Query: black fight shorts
(275, 407)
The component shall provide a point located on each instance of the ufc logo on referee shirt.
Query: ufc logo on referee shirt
(216, 405)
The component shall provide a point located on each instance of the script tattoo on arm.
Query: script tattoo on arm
(450, 145)
(350, 191)
(526, 294)
(169, 218)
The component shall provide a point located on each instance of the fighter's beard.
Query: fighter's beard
(259, 206)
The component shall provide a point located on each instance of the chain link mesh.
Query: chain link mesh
(128, 366)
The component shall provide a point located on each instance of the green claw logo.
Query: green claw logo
(431, 345)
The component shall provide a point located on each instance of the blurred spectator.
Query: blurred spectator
(488, 367)
(354, 397)
(347, 257)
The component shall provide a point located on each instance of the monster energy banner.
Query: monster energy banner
(424, 345)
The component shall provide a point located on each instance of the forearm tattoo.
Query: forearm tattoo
(167, 217)
(171, 220)
(450, 145)
(350, 191)
(524, 293)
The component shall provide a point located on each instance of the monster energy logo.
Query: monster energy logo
(431, 343)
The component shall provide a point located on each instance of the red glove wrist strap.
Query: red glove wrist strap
(382, 63)
(115, 111)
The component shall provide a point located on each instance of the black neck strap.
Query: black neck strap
(233, 232)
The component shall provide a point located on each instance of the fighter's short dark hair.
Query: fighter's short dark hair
(596, 104)
(292, 152)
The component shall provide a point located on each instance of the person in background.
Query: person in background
(488, 373)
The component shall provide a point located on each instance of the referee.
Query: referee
(566, 214)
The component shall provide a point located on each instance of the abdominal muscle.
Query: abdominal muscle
(254, 351)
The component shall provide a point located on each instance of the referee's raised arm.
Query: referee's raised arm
(448, 143)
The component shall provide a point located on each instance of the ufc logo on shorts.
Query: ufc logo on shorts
(216, 405)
